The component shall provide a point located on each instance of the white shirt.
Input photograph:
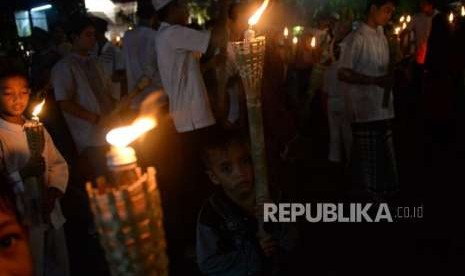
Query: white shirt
(14, 155)
(70, 81)
(111, 60)
(181, 77)
(140, 59)
(366, 51)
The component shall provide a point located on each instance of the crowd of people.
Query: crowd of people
(189, 80)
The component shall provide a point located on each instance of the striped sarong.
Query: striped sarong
(374, 157)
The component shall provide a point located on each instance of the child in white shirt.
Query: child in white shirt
(45, 219)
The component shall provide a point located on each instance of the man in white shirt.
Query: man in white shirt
(178, 51)
(364, 67)
(139, 53)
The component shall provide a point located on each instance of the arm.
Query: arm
(213, 260)
(350, 76)
(57, 169)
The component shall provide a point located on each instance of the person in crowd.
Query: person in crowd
(83, 93)
(60, 43)
(40, 211)
(109, 57)
(139, 53)
(340, 143)
(364, 67)
(15, 252)
(227, 241)
(421, 27)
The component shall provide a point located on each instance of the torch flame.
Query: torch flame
(313, 42)
(253, 20)
(123, 136)
(38, 109)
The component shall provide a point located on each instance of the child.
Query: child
(15, 254)
(227, 242)
(46, 235)
(364, 67)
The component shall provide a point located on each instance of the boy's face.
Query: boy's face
(86, 39)
(382, 15)
(14, 96)
(232, 169)
(15, 257)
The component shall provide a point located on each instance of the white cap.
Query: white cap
(159, 4)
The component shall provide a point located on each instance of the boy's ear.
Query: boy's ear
(213, 177)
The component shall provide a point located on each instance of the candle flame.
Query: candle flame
(286, 32)
(404, 26)
(38, 108)
(463, 11)
(295, 40)
(397, 30)
(409, 18)
(123, 136)
(402, 19)
(313, 42)
(451, 17)
(253, 20)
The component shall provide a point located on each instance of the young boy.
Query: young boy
(227, 242)
(83, 93)
(364, 67)
(15, 254)
(47, 235)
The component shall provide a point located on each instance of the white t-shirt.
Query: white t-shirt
(181, 76)
(366, 51)
(70, 80)
(140, 59)
(111, 60)
(15, 153)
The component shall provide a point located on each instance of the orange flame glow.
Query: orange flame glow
(253, 20)
(38, 109)
(123, 136)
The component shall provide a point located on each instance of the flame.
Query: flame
(253, 20)
(402, 19)
(286, 32)
(38, 108)
(451, 17)
(295, 40)
(313, 42)
(123, 136)
(409, 18)
(404, 26)
(397, 30)
(463, 11)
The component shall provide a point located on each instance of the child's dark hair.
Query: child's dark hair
(6, 73)
(380, 3)
(222, 139)
(164, 11)
(145, 9)
(77, 25)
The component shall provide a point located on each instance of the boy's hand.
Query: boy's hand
(51, 195)
(269, 246)
(34, 167)
(385, 81)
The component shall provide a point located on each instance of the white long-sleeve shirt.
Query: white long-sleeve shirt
(15, 154)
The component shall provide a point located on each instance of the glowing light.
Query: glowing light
(41, 8)
(397, 30)
(123, 136)
(295, 40)
(286, 32)
(37, 110)
(402, 19)
(463, 11)
(409, 18)
(99, 5)
(404, 26)
(313, 42)
(253, 20)
(451, 17)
